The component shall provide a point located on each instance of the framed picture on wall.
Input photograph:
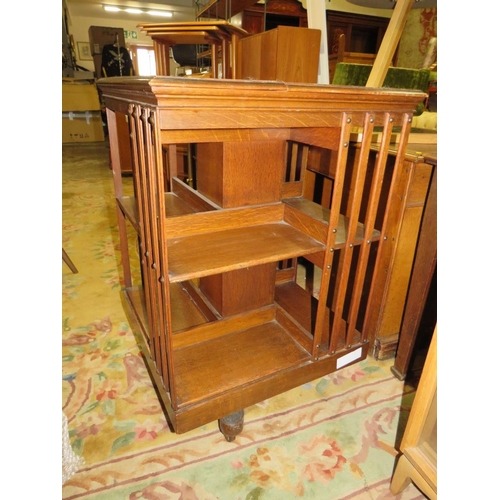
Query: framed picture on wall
(84, 53)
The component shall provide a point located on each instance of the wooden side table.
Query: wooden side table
(218, 34)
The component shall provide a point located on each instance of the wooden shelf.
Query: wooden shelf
(212, 253)
(185, 313)
(174, 206)
(320, 214)
(235, 360)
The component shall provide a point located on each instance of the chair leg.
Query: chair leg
(69, 262)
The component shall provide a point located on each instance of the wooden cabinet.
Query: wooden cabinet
(257, 18)
(418, 461)
(222, 318)
(285, 53)
(420, 313)
(362, 33)
(420, 162)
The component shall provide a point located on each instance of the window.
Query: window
(143, 58)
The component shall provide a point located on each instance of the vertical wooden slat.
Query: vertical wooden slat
(303, 162)
(191, 180)
(369, 223)
(133, 151)
(114, 156)
(143, 212)
(172, 163)
(390, 231)
(215, 60)
(162, 58)
(346, 254)
(114, 152)
(292, 170)
(234, 42)
(152, 200)
(165, 328)
(226, 73)
(340, 167)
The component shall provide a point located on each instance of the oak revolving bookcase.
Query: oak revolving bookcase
(221, 317)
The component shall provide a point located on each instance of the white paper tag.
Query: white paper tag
(349, 358)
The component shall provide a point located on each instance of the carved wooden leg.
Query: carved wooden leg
(231, 425)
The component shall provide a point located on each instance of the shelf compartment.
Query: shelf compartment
(301, 308)
(213, 253)
(185, 314)
(313, 218)
(174, 206)
(234, 361)
(209, 331)
(299, 305)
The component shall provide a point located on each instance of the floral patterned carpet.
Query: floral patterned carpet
(334, 438)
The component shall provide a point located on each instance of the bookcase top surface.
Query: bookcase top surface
(166, 91)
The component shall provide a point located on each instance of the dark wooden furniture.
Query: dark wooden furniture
(362, 33)
(350, 37)
(257, 18)
(220, 315)
(418, 459)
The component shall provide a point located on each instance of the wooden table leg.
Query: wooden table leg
(69, 262)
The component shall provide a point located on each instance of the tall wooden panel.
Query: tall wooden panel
(285, 53)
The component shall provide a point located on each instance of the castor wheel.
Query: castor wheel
(231, 425)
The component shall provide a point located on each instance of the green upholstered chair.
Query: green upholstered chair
(397, 78)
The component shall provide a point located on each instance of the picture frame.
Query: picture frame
(84, 53)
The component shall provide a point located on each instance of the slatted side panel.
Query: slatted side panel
(351, 262)
(364, 194)
(339, 162)
(151, 209)
(358, 269)
(137, 147)
(374, 192)
(391, 226)
(354, 192)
